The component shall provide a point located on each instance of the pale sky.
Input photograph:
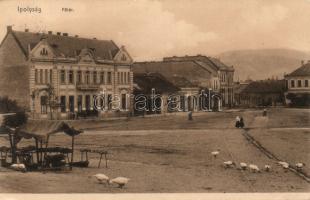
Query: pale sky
(153, 29)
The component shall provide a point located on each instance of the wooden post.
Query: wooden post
(13, 149)
(106, 160)
(100, 160)
(37, 150)
(72, 152)
(41, 153)
(46, 145)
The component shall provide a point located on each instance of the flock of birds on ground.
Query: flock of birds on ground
(102, 178)
(254, 168)
(120, 181)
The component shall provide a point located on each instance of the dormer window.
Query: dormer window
(43, 52)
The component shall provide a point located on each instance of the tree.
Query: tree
(52, 99)
(12, 122)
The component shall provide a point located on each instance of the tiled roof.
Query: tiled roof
(147, 81)
(220, 64)
(239, 88)
(181, 82)
(211, 62)
(67, 45)
(301, 71)
(268, 86)
(190, 70)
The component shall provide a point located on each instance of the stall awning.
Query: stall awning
(41, 130)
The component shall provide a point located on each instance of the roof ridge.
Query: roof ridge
(68, 36)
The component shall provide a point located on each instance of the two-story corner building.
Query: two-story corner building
(190, 77)
(298, 86)
(57, 75)
(222, 75)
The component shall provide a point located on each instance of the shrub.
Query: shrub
(10, 106)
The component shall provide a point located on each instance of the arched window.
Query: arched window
(43, 52)
(123, 58)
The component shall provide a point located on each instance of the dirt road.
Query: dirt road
(175, 159)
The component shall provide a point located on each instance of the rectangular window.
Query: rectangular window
(45, 76)
(124, 101)
(87, 77)
(87, 102)
(36, 76)
(94, 77)
(109, 78)
(102, 77)
(41, 76)
(79, 103)
(71, 77)
(62, 76)
(306, 83)
(51, 76)
(119, 77)
(128, 78)
(299, 83)
(63, 104)
(79, 77)
(43, 102)
(71, 103)
(292, 83)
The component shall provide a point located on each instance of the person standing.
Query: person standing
(241, 124)
(237, 125)
(190, 115)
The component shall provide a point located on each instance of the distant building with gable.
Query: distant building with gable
(194, 74)
(298, 86)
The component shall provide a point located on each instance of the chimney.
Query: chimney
(58, 33)
(95, 38)
(76, 36)
(302, 62)
(65, 34)
(26, 30)
(50, 32)
(9, 28)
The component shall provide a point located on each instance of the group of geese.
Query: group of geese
(120, 181)
(254, 168)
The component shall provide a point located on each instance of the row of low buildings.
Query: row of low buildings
(58, 76)
(293, 90)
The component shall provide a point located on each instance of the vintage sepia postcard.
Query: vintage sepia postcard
(155, 99)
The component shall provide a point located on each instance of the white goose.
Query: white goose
(243, 165)
(102, 178)
(285, 165)
(254, 168)
(19, 167)
(215, 153)
(228, 164)
(120, 181)
(267, 168)
(299, 166)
